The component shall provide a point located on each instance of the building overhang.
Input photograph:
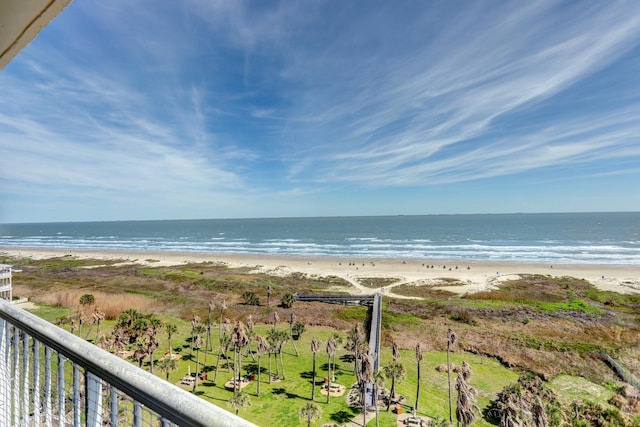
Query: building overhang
(21, 21)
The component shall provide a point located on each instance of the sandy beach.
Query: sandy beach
(476, 276)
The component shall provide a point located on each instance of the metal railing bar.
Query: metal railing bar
(77, 407)
(16, 376)
(25, 378)
(60, 380)
(113, 405)
(36, 382)
(48, 415)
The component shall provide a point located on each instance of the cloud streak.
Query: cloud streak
(240, 101)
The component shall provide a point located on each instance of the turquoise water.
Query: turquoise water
(594, 238)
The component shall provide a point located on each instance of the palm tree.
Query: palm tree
(396, 371)
(208, 346)
(140, 354)
(151, 343)
(263, 347)
(276, 319)
(81, 319)
(171, 329)
(292, 320)
(354, 345)
(366, 377)
(167, 364)
(239, 401)
(310, 412)
(418, 359)
(98, 316)
(197, 343)
(466, 402)
(250, 335)
(223, 308)
(269, 292)
(225, 341)
(315, 346)
(239, 340)
(337, 338)
(276, 341)
(331, 351)
(395, 352)
(74, 325)
(153, 327)
(195, 321)
(283, 339)
(451, 339)
(378, 381)
(465, 370)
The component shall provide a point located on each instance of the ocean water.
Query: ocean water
(589, 238)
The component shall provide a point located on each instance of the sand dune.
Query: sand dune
(476, 275)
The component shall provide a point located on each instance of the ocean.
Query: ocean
(560, 238)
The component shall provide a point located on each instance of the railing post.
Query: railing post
(62, 413)
(113, 405)
(37, 419)
(77, 408)
(25, 378)
(15, 382)
(4, 372)
(94, 400)
(48, 415)
(137, 414)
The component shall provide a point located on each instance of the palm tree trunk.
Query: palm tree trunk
(292, 341)
(313, 382)
(270, 376)
(375, 401)
(236, 384)
(206, 346)
(329, 383)
(215, 376)
(197, 366)
(258, 394)
(418, 388)
(275, 357)
(364, 404)
(281, 363)
(249, 352)
(449, 380)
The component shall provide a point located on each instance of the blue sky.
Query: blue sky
(125, 110)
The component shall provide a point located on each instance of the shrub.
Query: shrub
(250, 298)
(288, 300)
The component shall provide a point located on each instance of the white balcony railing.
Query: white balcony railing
(49, 377)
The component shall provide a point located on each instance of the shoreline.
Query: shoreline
(477, 276)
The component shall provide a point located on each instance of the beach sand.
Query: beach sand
(476, 276)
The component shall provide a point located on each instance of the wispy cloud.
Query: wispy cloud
(245, 101)
(428, 107)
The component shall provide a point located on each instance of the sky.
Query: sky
(123, 110)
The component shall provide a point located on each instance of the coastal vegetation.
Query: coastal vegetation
(534, 338)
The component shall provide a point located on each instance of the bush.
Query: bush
(288, 300)
(250, 298)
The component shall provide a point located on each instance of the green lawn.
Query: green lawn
(280, 401)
